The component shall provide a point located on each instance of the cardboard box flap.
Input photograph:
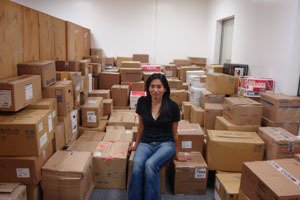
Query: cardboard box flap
(20, 119)
(213, 106)
(118, 136)
(241, 101)
(279, 135)
(282, 176)
(92, 136)
(234, 136)
(67, 164)
(115, 128)
(185, 128)
(18, 79)
(93, 102)
(83, 145)
(194, 159)
(110, 150)
(230, 181)
(44, 103)
(280, 99)
(8, 187)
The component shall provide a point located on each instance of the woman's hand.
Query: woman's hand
(132, 147)
(180, 158)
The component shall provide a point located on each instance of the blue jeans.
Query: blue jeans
(148, 160)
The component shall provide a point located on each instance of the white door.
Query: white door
(226, 41)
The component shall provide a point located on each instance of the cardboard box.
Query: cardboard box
(207, 96)
(75, 77)
(227, 150)
(223, 124)
(182, 62)
(242, 196)
(118, 136)
(131, 74)
(96, 51)
(281, 108)
(80, 145)
(190, 177)
(109, 165)
(197, 115)
(183, 69)
(63, 92)
(27, 134)
(143, 58)
(12, 191)
(119, 60)
(254, 86)
(227, 186)
(110, 61)
(297, 157)
(134, 97)
(67, 65)
(242, 111)
(211, 111)
(126, 119)
(190, 136)
(108, 79)
(279, 142)
(175, 83)
(48, 104)
(19, 92)
(199, 61)
(92, 112)
(105, 94)
(100, 128)
(214, 68)
(107, 106)
(219, 83)
(186, 110)
(91, 136)
(34, 192)
(67, 175)
(273, 179)
(46, 69)
(169, 70)
(290, 127)
(24, 169)
(70, 125)
(96, 68)
(162, 174)
(59, 140)
(179, 96)
(131, 64)
(135, 86)
(151, 68)
(120, 95)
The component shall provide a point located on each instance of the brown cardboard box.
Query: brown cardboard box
(96, 68)
(220, 83)
(63, 92)
(207, 96)
(109, 165)
(179, 96)
(211, 111)
(75, 77)
(120, 95)
(34, 192)
(96, 51)
(290, 127)
(175, 83)
(12, 191)
(25, 169)
(19, 92)
(119, 60)
(126, 119)
(186, 110)
(91, 136)
(215, 68)
(198, 61)
(24, 134)
(242, 196)
(242, 111)
(223, 124)
(67, 175)
(80, 145)
(143, 58)
(297, 157)
(135, 86)
(83, 97)
(131, 64)
(227, 150)
(279, 142)
(70, 125)
(227, 186)
(183, 69)
(131, 74)
(197, 115)
(190, 137)
(84, 87)
(100, 128)
(274, 179)
(84, 66)
(59, 140)
(110, 61)
(107, 106)
(46, 69)
(118, 136)
(182, 62)
(105, 94)
(170, 70)
(92, 112)
(96, 59)
(281, 108)
(162, 174)
(108, 79)
(46, 103)
(67, 66)
(191, 176)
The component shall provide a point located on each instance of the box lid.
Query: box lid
(93, 102)
(230, 181)
(91, 136)
(193, 160)
(110, 150)
(8, 187)
(213, 106)
(186, 128)
(234, 137)
(279, 135)
(241, 101)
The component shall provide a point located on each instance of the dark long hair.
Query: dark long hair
(166, 97)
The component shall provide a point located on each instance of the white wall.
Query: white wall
(266, 36)
(165, 29)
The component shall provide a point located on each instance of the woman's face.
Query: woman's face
(156, 89)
